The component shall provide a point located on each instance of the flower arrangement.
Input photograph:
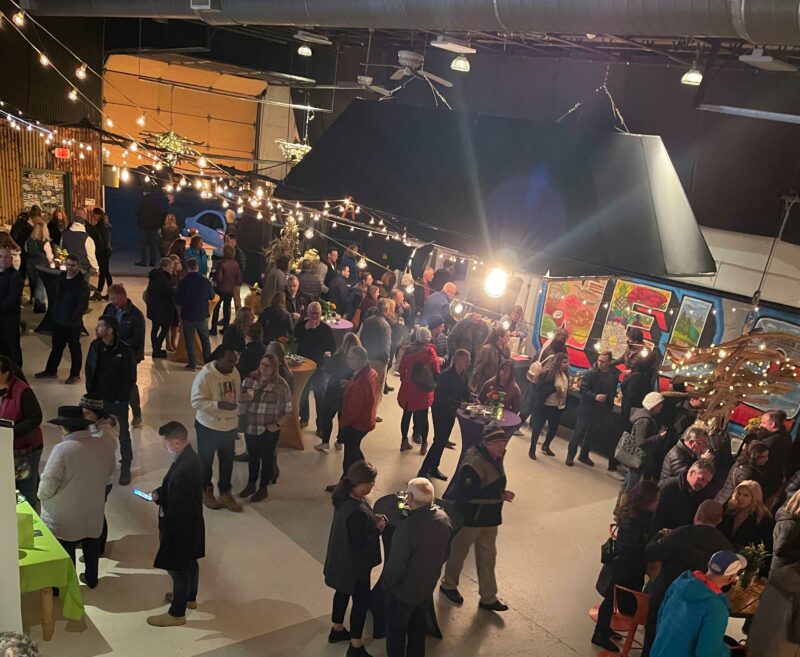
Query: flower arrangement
(755, 555)
(289, 344)
(328, 309)
(496, 399)
(752, 424)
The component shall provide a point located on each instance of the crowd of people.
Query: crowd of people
(690, 504)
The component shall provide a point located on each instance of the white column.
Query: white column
(10, 609)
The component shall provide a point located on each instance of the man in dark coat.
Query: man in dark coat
(111, 375)
(10, 301)
(479, 492)
(159, 296)
(444, 275)
(419, 548)
(296, 301)
(192, 296)
(71, 301)
(774, 435)
(131, 332)
(181, 531)
(680, 496)
(688, 449)
(149, 219)
(686, 548)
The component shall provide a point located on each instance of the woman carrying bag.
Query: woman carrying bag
(551, 400)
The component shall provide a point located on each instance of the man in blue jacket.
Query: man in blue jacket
(694, 614)
(192, 297)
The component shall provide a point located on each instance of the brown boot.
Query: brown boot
(226, 500)
(209, 500)
(165, 620)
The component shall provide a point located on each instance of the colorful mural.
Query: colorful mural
(632, 305)
(572, 305)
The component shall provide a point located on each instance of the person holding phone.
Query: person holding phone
(181, 530)
(265, 408)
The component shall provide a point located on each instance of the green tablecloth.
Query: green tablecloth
(47, 565)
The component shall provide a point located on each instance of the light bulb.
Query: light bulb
(109, 123)
(410, 288)
(259, 215)
(147, 179)
(140, 121)
(239, 210)
(73, 95)
(304, 51)
(496, 283)
(198, 184)
(19, 18)
(224, 204)
(125, 176)
(309, 234)
(44, 60)
(159, 166)
(202, 162)
(134, 146)
(170, 187)
(362, 263)
(80, 72)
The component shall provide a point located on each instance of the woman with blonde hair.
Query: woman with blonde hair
(747, 520)
(39, 252)
(169, 232)
(786, 535)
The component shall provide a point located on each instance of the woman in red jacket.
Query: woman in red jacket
(418, 369)
(19, 404)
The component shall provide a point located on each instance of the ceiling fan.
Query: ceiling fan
(411, 64)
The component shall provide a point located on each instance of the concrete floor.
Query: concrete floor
(261, 587)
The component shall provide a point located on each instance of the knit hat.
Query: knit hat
(492, 433)
(93, 402)
(651, 400)
(726, 562)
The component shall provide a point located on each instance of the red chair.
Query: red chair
(628, 624)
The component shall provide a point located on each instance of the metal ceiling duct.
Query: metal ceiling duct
(768, 22)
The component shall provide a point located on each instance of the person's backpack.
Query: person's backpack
(535, 370)
(422, 377)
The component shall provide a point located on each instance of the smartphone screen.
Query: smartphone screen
(142, 494)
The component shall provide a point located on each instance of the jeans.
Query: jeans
(329, 411)
(158, 333)
(205, 342)
(225, 302)
(351, 438)
(380, 369)
(317, 383)
(66, 336)
(420, 424)
(149, 240)
(104, 277)
(405, 628)
(581, 436)
(37, 289)
(261, 456)
(443, 422)
(221, 443)
(91, 556)
(184, 588)
(528, 400)
(120, 411)
(632, 478)
(550, 415)
(358, 612)
(30, 487)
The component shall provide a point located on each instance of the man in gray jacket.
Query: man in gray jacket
(419, 548)
(376, 338)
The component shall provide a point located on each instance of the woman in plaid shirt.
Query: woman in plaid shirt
(266, 403)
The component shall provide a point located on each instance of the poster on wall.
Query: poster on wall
(573, 305)
(47, 189)
(690, 322)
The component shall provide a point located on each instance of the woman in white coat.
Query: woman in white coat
(72, 489)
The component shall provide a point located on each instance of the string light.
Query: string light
(362, 263)
(80, 72)
(140, 121)
(19, 18)
(124, 176)
(44, 60)
(73, 94)
(109, 123)
(309, 234)
(202, 162)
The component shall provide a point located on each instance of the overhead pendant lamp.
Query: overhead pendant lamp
(304, 51)
(693, 77)
(460, 64)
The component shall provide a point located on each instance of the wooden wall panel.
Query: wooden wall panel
(23, 149)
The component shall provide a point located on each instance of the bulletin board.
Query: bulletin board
(46, 188)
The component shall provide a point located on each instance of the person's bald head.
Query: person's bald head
(450, 289)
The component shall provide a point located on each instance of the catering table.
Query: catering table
(47, 566)
(744, 602)
(340, 328)
(292, 432)
(180, 355)
(472, 433)
(387, 505)
(49, 276)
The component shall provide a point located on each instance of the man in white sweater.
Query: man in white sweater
(215, 393)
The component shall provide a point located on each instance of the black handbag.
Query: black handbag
(608, 551)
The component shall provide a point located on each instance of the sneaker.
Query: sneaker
(405, 445)
(46, 375)
(450, 444)
(72, 380)
(248, 490)
(323, 447)
(226, 500)
(336, 636)
(586, 461)
(452, 595)
(261, 494)
(436, 473)
(209, 500)
(339, 446)
(423, 449)
(124, 474)
(165, 620)
(191, 604)
(493, 606)
(136, 421)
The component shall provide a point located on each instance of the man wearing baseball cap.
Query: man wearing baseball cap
(694, 614)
